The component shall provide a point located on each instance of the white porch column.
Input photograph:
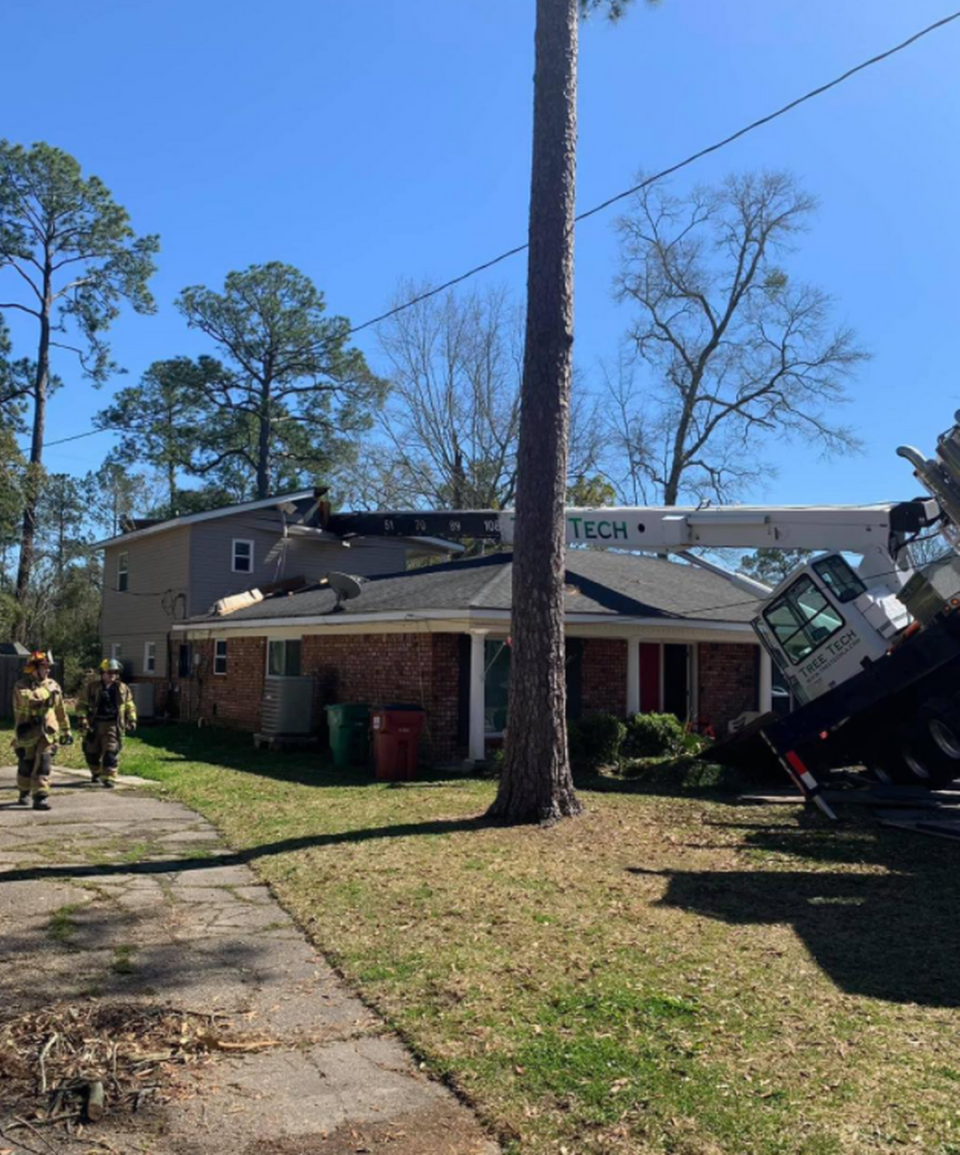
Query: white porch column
(633, 676)
(477, 749)
(766, 682)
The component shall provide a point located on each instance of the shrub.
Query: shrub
(596, 740)
(653, 736)
(493, 767)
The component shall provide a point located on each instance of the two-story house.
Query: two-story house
(160, 573)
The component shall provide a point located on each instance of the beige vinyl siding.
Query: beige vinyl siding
(157, 571)
(132, 651)
(275, 558)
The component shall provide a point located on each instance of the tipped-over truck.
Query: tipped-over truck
(866, 640)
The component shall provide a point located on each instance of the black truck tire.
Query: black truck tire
(941, 721)
(924, 757)
(891, 758)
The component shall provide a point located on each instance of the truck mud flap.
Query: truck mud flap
(801, 776)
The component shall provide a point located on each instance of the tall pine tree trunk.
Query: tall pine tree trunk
(537, 785)
(35, 470)
(263, 447)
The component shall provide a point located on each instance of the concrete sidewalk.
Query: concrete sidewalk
(123, 897)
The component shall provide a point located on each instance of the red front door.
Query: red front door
(649, 678)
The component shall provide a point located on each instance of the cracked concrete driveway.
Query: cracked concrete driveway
(124, 897)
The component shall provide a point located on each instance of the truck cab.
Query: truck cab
(823, 624)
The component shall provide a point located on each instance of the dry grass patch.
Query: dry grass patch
(661, 975)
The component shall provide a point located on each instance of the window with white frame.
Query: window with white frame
(115, 651)
(122, 572)
(242, 555)
(149, 657)
(283, 658)
(220, 656)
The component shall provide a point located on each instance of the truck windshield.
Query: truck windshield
(801, 619)
(839, 578)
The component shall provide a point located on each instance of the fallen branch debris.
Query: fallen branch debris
(72, 1065)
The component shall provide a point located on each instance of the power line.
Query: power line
(89, 433)
(598, 208)
(672, 169)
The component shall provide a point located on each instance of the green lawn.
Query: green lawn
(664, 974)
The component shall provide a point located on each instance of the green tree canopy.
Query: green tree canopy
(773, 565)
(294, 393)
(167, 420)
(68, 259)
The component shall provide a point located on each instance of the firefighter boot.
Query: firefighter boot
(23, 797)
(40, 802)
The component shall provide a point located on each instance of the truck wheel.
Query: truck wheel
(942, 722)
(928, 763)
(892, 760)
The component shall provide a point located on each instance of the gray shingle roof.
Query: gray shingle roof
(598, 582)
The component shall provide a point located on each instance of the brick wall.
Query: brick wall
(230, 699)
(424, 669)
(604, 676)
(415, 669)
(727, 676)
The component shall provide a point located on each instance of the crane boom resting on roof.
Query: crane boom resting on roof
(872, 656)
(851, 528)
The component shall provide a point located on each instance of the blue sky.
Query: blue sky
(372, 142)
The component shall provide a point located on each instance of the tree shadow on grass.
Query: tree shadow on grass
(234, 750)
(893, 936)
(247, 856)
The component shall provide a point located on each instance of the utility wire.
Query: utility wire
(598, 208)
(672, 169)
(89, 433)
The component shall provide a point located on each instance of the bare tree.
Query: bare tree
(740, 353)
(451, 423)
(448, 435)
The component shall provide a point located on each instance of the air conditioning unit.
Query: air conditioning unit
(287, 707)
(144, 698)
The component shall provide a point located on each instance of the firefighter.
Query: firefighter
(106, 712)
(40, 719)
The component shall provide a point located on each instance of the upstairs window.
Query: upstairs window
(283, 658)
(116, 651)
(122, 572)
(220, 656)
(149, 657)
(242, 555)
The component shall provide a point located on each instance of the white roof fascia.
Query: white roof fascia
(194, 518)
(624, 625)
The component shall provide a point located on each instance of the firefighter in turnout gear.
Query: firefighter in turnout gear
(40, 720)
(106, 712)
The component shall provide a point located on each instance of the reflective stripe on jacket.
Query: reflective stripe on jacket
(38, 711)
(90, 696)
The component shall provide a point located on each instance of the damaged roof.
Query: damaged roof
(599, 583)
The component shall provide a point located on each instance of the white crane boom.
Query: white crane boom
(848, 528)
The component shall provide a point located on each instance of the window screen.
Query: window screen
(220, 657)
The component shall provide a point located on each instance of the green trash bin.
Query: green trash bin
(349, 725)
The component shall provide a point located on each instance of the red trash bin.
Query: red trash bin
(396, 740)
